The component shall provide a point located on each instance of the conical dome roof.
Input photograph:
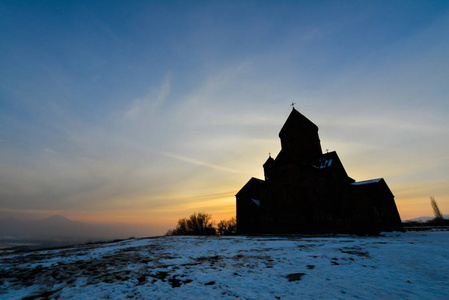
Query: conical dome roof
(269, 162)
(296, 121)
(299, 138)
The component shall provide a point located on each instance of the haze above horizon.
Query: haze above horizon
(145, 112)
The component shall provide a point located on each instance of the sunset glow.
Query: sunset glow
(142, 113)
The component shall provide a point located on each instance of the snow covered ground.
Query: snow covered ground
(412, 265)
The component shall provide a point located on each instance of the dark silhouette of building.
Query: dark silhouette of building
(306, 191)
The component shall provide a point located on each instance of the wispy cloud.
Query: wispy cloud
(201, 163)
(151, 102)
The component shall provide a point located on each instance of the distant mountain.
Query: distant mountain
(56, 218)
(424, 219)
(58, 227)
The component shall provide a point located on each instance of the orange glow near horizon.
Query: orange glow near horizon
(220, 208)
(218, 199)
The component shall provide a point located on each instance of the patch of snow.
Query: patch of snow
(396, 265)
(367, 181)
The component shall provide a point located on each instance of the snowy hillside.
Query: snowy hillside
(398, 265)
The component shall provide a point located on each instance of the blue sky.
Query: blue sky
(146, 111)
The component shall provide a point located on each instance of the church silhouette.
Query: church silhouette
(306, 191)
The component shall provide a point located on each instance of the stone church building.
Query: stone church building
(307, 191)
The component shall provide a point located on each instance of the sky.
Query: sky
(143, 112)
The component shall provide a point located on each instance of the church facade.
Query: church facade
(307, 191)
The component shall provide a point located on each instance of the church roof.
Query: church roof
(252, 182)
(269, 161)
(378, 184)
(297, 120)
(325, 161)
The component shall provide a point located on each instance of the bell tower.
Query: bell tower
(299, 136)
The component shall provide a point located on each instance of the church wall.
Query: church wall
(249, 211)
(306, 191)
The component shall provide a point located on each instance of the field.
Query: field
(412, 265)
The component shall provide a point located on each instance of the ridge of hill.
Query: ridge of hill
(392, 266)
(58, 230)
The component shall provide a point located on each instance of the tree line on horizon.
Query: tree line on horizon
(201, 224)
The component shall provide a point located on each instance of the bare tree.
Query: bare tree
(227, 227)
(436, 210)
(197, 224)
